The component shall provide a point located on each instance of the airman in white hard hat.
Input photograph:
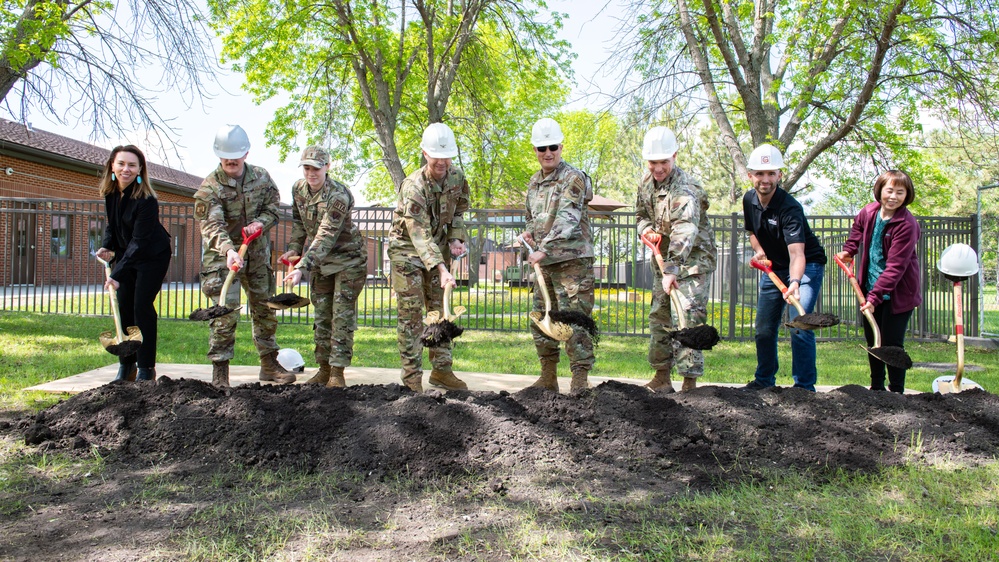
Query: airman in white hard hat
(428, 231)
(672, 211)
(558, 231)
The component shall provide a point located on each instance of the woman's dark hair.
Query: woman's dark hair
(142, 189)
(899, 178)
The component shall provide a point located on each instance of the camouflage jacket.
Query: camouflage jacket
(427, 216)
(224, 206)
(557, 216)
(678, 210)
(324, 218)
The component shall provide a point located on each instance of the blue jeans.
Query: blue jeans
(769, 310)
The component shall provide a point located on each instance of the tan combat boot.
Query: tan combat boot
(322, 376)
(413, 381)
(445, 379)
(689, 383)
(661, 383)
(549, 376)
(271, 370)
(578, 382)
(336, 378)
(220, 373)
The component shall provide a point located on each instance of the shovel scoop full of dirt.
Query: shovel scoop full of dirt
(285, 301)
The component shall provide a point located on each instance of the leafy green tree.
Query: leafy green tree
(365, 78)
(93, 52)
(809, 76)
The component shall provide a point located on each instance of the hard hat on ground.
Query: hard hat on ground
(659, 144)
(958, 260)
(765, 157)
(546, 132)
(438, 141)
(315, 156)
(291, 360)
(231, 142)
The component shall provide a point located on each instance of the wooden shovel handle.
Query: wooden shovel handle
(765, 267)
(114, 304)
(539, 275)
(674, 297)
(860, 298)
(959, 334)
(232, 270)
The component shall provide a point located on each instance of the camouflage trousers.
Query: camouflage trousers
(664, 351)
(415, 289)
(570, 284)
(257, 280)
(334, 299)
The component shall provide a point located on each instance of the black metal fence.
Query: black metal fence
(45, 266)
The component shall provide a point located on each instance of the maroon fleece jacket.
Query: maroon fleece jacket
(901, 275)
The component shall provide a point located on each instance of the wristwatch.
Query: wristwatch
(798, 281)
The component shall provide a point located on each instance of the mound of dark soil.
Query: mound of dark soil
(616, 433)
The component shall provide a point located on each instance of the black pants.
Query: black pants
(892, 334)
(136, 296)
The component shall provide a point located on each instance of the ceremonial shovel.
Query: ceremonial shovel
(220, 309)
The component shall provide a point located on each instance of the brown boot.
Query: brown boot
(271, 370)
(549, 376)
(661, 383)
(413, 382)
(220, 373)
(578, 382)
(336, 378)
(322, 376)
(446, 380)
(689, 383)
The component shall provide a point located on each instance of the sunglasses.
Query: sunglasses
(552, 148)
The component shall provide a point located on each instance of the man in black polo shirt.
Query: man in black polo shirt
(779, 232)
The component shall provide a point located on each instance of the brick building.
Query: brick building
(51, 216)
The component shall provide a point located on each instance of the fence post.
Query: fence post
(974, 285)
(734, 274)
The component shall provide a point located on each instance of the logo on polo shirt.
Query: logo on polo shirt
(772, 221)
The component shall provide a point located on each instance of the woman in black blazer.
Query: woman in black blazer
(138, 248)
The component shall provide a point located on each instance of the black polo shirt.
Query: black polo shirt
(781, 223)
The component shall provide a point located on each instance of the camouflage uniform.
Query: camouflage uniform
(426, 217)
(224, 206)
(558, 220)
(678, 210)
(337, 258)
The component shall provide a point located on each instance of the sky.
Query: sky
(589, 28)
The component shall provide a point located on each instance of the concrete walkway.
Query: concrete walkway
(247, 374)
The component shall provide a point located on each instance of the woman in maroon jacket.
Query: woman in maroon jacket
(884, 235)
(138, 248)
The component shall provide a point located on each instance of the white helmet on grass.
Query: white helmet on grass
(291, 360)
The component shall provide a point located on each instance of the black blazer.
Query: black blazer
(133, 231)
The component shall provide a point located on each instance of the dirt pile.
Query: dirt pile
(615, 433)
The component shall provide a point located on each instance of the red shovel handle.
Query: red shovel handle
(247, 238)
(655, 252)
(853, 280)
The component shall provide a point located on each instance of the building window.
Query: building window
(95, 235)
(60, 236)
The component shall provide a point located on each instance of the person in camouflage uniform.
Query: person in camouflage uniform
(672, 207)
(337, 258)
(234, 196)
(558, 227)
(428, 229)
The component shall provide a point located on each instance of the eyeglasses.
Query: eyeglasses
(543, 149)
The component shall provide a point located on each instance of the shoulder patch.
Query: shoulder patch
(200, 210)
(340, 205)
(415, 209)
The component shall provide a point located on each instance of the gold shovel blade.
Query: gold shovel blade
(555, 330)
(433, 317)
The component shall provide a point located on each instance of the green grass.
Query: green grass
(36, 348)
(914, 512)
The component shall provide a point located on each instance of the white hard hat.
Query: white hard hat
(546, 132)
(765, 157)
(291, 360)
(660, 144)
(438, 141)
(231, 142)
(958, 260)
